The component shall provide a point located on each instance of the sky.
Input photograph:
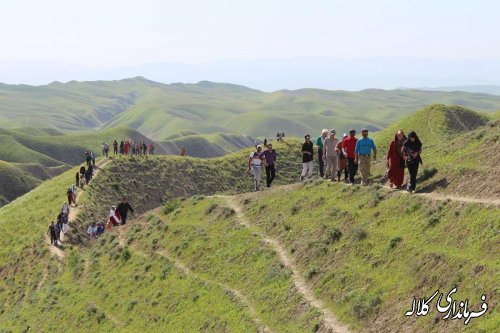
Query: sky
(104, 34)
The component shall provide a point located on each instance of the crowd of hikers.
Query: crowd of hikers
(335, 156)
(345, 156)
(129, 147)
(117, 215)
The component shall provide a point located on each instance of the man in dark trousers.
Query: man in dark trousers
(349, 147)
(53, 234)
(123, 208)
(270, 163)
(115, 147)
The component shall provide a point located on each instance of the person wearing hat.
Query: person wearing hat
(320, 144)
(255, 164)
(342, 160)
(330, 155)
(364, 148)
(349, 147)
(307, 158)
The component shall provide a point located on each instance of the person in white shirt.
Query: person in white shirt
(255, 164)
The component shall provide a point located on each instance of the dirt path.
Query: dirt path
(242, 300)
(439, 196)
(300, 283)
(73, 213)
(446, 197)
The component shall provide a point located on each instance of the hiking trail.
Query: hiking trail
(73, 212)
(242, 300)
(300, 283)
(444, 197)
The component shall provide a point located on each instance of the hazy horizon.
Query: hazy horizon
(267, 45)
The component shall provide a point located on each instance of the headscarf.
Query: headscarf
(415, 145)
(398, 144)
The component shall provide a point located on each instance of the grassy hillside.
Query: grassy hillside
(160, 111)
(39, 154)
(369, 251)
(460, 150)
(92, 288)
(195, 265)
(150, 182)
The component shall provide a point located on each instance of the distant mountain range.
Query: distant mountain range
(160, 111)
(493, 90)
(275, 74)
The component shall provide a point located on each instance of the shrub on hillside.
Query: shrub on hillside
(394, 242)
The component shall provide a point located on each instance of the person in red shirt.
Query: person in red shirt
(348, 146)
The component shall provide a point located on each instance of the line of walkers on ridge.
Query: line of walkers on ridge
(346, 156)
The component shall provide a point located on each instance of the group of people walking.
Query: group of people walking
(345, 156)
(129, 147)
(350, 154)
(60, 227)
(117, 216)
(84, 175)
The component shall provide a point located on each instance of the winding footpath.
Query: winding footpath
(238, 295)
(74, 211)
(330, 321)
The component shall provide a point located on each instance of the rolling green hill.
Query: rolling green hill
(460, 150)
(161, 111)
(202, 257)
(39, 154)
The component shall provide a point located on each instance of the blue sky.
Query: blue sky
(114, 33)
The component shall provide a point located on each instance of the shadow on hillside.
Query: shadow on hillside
(438, 184)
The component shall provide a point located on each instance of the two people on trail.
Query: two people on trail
(404, 152)
(259, 158)
(90, 158)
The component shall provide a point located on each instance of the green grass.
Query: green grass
(43, 153)
(366, 252)
(371, 276)
(204, 235)
(160, 111)
(456, 159)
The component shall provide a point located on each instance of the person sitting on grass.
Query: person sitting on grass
(91, 231)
